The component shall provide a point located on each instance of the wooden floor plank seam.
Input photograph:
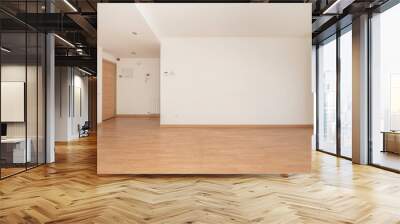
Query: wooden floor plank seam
(70, 191)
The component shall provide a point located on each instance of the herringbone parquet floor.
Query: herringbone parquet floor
(69, 191)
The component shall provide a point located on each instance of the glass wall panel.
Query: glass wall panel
(327, 96)
(22, 61)
(346, 94)
(13, 90)
(385, 89)
(31, 97)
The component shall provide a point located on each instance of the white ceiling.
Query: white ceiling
(115, 24)
(224, 19)
(154, 21)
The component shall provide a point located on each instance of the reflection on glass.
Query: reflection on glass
(385, 114)
(14, 153)
(327, 97)
(346, 94)
(22, 90)
(395, 102)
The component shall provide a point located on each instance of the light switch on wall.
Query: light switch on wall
(169, 73)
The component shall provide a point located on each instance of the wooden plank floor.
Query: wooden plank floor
(140, 146)
(70, 191)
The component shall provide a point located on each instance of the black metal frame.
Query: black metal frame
(337, 36)
(338, 96)
(316, 97)
(369, 90)
(30, 29)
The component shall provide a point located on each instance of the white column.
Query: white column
(50, 100)
(360, 90)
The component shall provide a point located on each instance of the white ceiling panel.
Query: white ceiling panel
(154, 21)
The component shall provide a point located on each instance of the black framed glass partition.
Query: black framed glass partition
(13, 86)
(334, 104)
(385, 89)
(22, 77)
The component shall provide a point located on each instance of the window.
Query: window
(334, 106)
(385, 89)
(394, 102)
(327, 96)
(346, 93)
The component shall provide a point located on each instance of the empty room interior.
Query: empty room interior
(203, 81)
(199, 112)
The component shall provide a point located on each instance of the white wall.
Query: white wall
(17, 73)
(67, 115)
(34, 125)
(80, 115)
(138, 86)
(236, 80)
(12, 73)
(101, 54)
(62, 125)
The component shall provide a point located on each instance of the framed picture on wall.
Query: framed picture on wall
(12, 101)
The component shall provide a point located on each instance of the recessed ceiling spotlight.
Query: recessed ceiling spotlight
(134, 33)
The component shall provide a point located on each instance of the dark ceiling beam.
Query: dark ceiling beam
(321, 22)
(331, 30)
(10, 25)
(65, 51)
(84, 24)
(49, 22)
(77, 61)
(329, 15)
(16, 19)
(337, 7)
(382, 6)
(91, 5)
(327, 25)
